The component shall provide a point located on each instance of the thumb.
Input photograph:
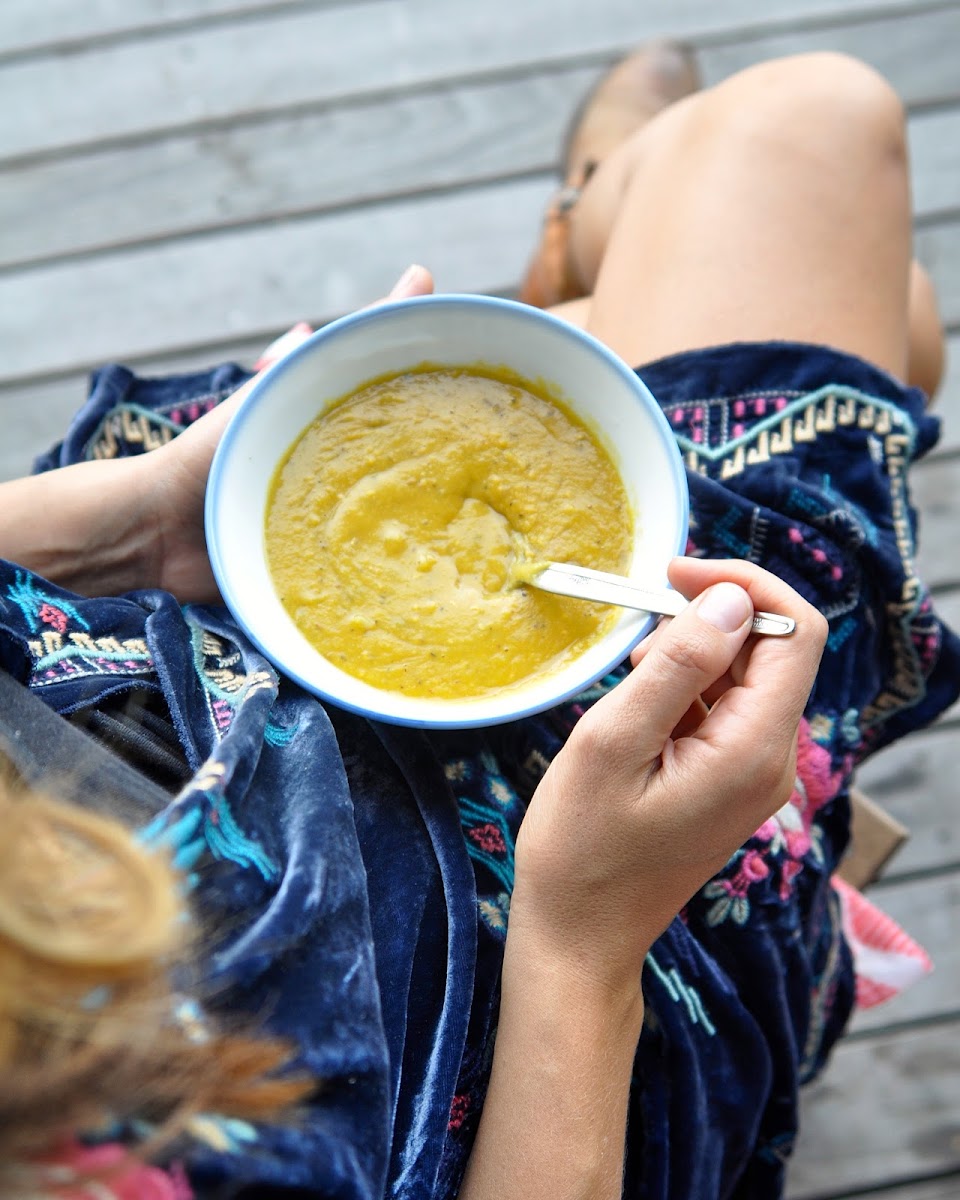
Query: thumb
(687, 655)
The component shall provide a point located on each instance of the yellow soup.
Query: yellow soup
(401, 520)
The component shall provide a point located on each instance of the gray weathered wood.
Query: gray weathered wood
(946, 1187)
(915, 780)
(938, 248)
(257, 172)
(934, 161)
(888, 1109)
(936, 494)
(252, 282)
(947, 404)
(310, 56)
(30, 27)
(246, 174)
(902, 46)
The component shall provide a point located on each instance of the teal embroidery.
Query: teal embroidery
(227, 840)
(682, 993)
(715, 454)
(723, 532)
(846, 628)
(40, 609)
(207, 825)
(488, 839)
(280, 735)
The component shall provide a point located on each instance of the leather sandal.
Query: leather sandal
(632, 91)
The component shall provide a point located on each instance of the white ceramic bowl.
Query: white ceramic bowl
(455, 331)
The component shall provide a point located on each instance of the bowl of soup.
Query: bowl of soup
(383, 496)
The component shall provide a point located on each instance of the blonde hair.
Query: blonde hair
(91, 924)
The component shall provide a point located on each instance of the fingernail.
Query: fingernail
(409, 275)
(725, 606)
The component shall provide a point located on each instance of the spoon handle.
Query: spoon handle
(565, 579)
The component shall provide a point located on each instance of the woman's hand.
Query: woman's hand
(649, 798)
(106, 527)
(178, 473)
(655, 790)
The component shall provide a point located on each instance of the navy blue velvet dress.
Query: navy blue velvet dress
(356, 877)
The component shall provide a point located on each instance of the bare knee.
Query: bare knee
(828, 103)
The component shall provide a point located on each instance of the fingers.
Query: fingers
(783, 669)
(415, 281)
(764, 683)
(684, 659)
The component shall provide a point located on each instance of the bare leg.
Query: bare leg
(775, 205)
(926, 351)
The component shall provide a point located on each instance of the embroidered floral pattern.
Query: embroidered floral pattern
(784, 843)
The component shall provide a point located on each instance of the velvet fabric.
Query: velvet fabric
(356, 877)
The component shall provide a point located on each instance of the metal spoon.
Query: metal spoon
(565, 579)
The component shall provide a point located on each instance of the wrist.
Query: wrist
(599, 958)
(603, 987)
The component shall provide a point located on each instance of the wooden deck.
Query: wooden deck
(182, 179)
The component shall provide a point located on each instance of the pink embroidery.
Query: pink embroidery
(458, 1110)
(56, 617)
(489, 838)
(785, 839)
(223, 713)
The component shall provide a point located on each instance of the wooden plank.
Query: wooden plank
(32, 28)
(903, 47)
(929, 911)
(915, 781)
(947, 402)
(887, 1110)
(258, 172)
(289, 166)
(55, 25)
(251, 282)
(309, 56)
(935, 160)
(945, 1187)
(938, 248)
(936, 494)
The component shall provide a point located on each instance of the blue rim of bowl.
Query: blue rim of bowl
(377, 312)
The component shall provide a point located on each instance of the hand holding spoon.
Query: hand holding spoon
(565, 579)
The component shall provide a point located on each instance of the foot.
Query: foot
(632, 92)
